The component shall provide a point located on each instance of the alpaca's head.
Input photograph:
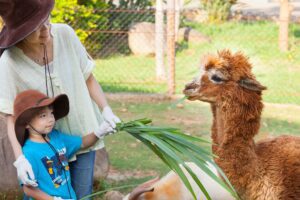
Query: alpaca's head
(222, 77)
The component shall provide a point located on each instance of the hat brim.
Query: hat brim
(10, 37)
(60, 109)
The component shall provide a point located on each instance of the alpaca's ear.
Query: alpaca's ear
(145, 187)
(251, 84)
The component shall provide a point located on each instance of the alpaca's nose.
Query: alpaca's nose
(191, 85)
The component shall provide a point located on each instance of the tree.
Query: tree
(217, 10)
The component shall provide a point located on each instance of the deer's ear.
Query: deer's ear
(251, 84)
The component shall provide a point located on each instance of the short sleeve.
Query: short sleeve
(87, 64)
(8, 88)
(71, 142)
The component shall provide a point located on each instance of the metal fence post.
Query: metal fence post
(171, 46)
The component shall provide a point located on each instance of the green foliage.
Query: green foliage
(174, 147)
(81, 16)
(127, 13)
(218, 10)
(100, 25)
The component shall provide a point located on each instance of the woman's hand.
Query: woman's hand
(110, 117)
(24, 170)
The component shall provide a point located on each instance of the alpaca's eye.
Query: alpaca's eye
(216, 79)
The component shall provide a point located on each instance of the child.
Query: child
(47, 149)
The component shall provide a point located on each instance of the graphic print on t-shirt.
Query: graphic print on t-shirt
(55, 167)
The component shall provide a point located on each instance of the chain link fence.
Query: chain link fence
(123, 46)
(118, 69)
(124, 50)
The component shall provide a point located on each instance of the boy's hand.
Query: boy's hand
(110, 117)
(104, 129)
(24, 170)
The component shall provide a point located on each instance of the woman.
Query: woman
(50, 58)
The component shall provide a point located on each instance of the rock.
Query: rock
(8, 173)
(141, 38)
(101, 166)
(113, 195)
(180, 105)
(192, 36)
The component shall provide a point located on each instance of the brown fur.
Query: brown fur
(165, 192)
(265, 170)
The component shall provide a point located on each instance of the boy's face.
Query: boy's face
(43, 121)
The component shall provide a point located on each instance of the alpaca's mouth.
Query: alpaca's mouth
(195, 94)
(191, 91)
(191, 94)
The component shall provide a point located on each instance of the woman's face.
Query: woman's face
(41, 34)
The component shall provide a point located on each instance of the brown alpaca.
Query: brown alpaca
(268, 169)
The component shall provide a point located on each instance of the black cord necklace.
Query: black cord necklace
(47, 70)
(56, 153)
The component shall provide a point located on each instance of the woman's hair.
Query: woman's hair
(26, 136)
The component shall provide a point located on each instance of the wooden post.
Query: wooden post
(159, 41)
(178, 5)
(284, 25)
(171, 46)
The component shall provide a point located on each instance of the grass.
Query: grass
(128, 154)
(258, 40)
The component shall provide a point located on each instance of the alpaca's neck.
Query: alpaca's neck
(233, 130)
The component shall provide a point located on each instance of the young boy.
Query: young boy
(47, 149)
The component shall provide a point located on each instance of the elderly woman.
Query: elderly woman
(50, 58)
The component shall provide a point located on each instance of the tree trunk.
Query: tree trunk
(284, 25)
(159, 41)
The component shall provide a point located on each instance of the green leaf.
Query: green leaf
(174, 148)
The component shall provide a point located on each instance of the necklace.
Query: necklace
(38, 61)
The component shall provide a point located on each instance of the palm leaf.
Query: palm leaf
(175, 148)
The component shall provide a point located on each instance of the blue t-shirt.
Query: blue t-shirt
(52, 177)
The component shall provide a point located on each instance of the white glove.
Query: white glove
(59, 198)
(104, 129)
(24, 170)
(110, 117)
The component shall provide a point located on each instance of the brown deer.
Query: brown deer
(268, 169)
